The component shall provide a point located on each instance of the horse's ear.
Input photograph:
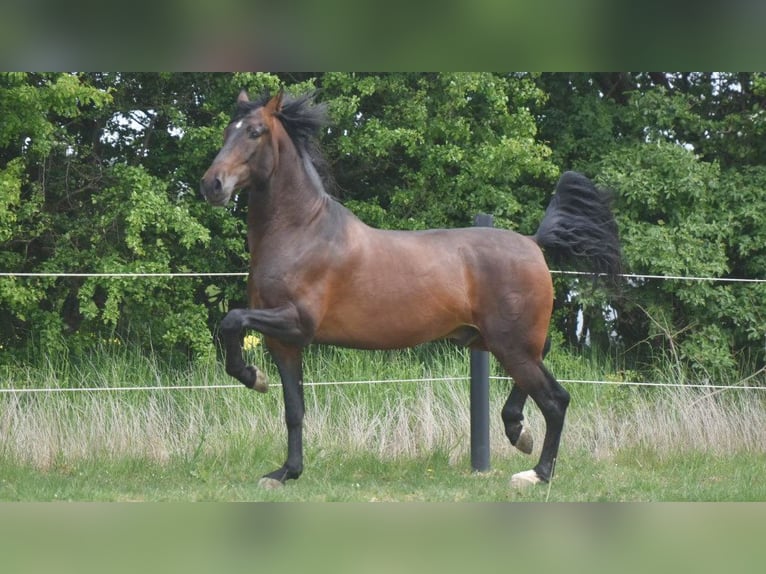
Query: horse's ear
(243, 98)
(275, 103)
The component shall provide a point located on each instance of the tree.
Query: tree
(685, 156)
(99, 172)
(415, 151)
(76, 197)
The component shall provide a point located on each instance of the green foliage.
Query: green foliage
(10, 196)
(684, 156)
(666, 200)
(99, 172)
(76, 201)
(417, 151)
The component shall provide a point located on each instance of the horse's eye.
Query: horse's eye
(254, 133)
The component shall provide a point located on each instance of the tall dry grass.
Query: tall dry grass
(673, 421)
(390, 421)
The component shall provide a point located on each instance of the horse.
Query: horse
(318, 274)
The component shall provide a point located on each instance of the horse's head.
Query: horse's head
(249, 152)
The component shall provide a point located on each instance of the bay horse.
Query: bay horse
(318, 274)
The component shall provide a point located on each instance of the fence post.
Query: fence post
(480, 392)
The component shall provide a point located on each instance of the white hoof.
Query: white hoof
(269, 483)
(522, 480)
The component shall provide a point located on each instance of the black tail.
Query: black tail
(579, 226)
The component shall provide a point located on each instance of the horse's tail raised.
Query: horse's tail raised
(579, 226)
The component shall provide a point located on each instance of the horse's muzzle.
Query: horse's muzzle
(214, 191)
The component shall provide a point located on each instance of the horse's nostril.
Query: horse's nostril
(218, 185)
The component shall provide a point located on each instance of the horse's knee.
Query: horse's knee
(231, 323)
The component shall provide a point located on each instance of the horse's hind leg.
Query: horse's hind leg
(513, 415)
(533, 379)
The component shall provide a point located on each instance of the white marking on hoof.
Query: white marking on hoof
(261, 381)
(525, 442)
(269, 483)
(522, 480)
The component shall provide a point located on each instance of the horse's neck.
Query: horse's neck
(293, 201)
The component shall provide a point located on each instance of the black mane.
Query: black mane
(303, 120)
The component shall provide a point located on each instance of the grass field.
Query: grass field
(387, 442)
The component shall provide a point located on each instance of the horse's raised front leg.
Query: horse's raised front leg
(282, 323)
(285, 337)
(289, 362)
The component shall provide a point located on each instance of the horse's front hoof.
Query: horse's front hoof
(526, 479)
(261, 382)
(268, 483)
(525, 442)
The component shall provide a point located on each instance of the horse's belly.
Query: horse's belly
(387, 328)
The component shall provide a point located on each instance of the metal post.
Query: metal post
(480, 393)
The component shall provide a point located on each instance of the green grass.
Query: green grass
(630, 476)
(387, 442)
